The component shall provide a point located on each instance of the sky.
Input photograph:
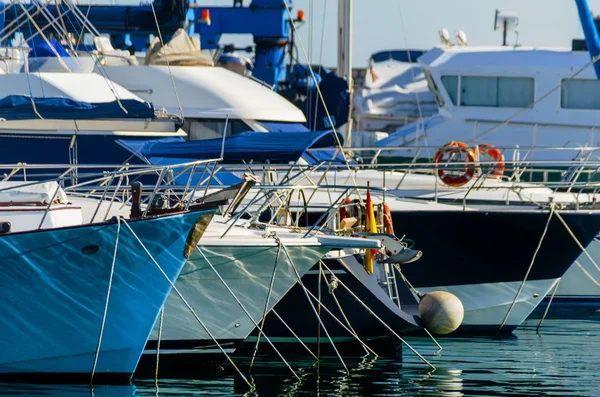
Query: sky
(396, 24)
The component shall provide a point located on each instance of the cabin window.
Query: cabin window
(451, 86)
(433, 88)
(503, 92)
(199, 129)
(580, 94)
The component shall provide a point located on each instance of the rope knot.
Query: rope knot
(333, 284)
(273, 234)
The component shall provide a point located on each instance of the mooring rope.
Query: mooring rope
(548, 307)
(552, 211)
(291, 262)
(266, 309)
(294, 334)
(340, 282)
(247, 313)
(185, 302)
(110, 279)
(350, 331)
(160, 327)
(332, 287)
(561, 219)
(419, 295)
(587, 274)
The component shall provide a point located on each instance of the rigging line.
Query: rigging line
(39, 72)
(530, 107)
(552, 212)
(60, 60)
(101, 69)
(64, 26)
(310, 53)
(3, 11)
(91, 28)
(75, 22)
(52, 22)
(8, 30)
(312, 73)
(160, 37)
(84, 23)
(320, 58)
(27, 74)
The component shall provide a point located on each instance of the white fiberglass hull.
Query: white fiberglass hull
(581, 283)
(486, 305)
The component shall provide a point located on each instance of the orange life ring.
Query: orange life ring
(343, 211)
(388, 226)
(497, 156)
(469, 170)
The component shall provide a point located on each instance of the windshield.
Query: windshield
(213, 128)
(282, 126)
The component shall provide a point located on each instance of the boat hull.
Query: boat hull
(298, 314)
(469, 254)
(580, 286)
(55, 285)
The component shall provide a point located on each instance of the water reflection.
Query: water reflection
(561, 360)
(39, 390)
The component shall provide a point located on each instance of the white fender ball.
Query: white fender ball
(441, 312)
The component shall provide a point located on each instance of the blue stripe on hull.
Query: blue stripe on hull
(54, 294)
(575, 299)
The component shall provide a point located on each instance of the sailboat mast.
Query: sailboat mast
(344, 58)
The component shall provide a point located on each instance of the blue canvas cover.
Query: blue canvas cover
(276, 147)
(20, 107)
(44, 50)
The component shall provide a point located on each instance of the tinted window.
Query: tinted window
(513, 92)
(397, 55)
(451, 86)
(580, 94)
(198, 129)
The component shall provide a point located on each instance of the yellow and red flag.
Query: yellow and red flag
(370, 226)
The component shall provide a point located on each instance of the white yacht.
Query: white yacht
(394, 93)
(509, 97)
(208, 97)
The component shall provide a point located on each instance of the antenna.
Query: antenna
(506, 20)
(461, 38)
(445, 37)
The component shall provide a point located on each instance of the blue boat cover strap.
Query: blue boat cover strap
(20, 107)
